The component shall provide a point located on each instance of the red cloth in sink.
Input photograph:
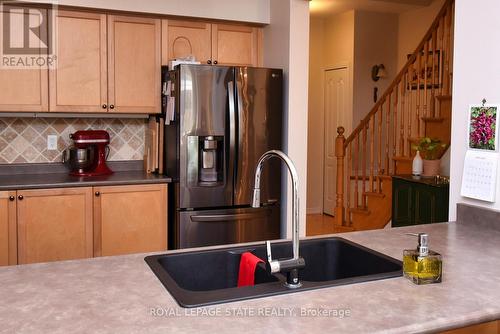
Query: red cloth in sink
(248, 263)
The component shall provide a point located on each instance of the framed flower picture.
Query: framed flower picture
(483, 131)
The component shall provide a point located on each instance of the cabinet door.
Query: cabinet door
(8, 229)
(184, 38)
(134, 64)
(54, 224)
(402, 203)
(130, 219)
(23, 89)
(78, 83)
(425, 204)
(235, 45)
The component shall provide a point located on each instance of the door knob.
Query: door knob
(97, 194)
(111, 106)
(104, 106)
(20, 197)
(11, 198)
(209, 62)
(215, 62)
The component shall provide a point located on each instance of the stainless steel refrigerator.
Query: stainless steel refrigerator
(224, 119)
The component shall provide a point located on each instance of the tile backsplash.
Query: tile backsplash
(24, 140)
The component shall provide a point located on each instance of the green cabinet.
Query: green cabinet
(419, 201)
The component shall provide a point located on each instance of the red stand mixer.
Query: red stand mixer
(88, 155)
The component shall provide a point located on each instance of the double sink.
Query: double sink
(200, 278)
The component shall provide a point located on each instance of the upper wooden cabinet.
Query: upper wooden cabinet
(184, 38)
(106, 63)
(235, 45)
(134, 64)
(54, 224)
(221, 44)
(24, 90)
(130, 219)
(8, 229)
(79, 81)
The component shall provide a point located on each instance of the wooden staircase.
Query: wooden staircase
(417, 104)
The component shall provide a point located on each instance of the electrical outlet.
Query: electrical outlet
(52, 142)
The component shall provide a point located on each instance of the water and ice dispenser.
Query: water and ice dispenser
(206, 165)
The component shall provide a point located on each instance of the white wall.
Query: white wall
(315, 128)
(332, 45)
(412, 26)
(284, 41)
(476, 76)
(375, 42)
(256, 11)
(339, 39)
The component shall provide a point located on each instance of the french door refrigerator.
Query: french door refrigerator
(224, 119)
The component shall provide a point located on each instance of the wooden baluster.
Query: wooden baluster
(441, 54)
(380, 169)
(447, 71)
(356, 171)
(348, 188)
(363, 173)
(434, 63)
(417, 105)
(395, 128)
(403, 110)
(339, 154)
(372, 150)
(425, 78)
(410, 107)
(387, 133)
(445, 53)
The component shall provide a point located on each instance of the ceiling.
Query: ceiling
(323, 8)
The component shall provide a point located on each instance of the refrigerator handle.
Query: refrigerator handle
(232, 131)
(217, 218)
(239, 102)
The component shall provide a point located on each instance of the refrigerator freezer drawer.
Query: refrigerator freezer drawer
(218, 227)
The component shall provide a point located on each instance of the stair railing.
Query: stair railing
(386, 133)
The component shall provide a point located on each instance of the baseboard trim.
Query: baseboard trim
(314, 211)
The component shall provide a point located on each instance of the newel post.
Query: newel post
(340, 154)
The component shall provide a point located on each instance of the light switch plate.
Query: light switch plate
(52, 142)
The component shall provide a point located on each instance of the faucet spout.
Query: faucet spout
(292, 265)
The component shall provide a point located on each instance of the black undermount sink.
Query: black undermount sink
(199, 278)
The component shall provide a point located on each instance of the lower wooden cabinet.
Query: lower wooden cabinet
(8, 228)
(492, 327)
(73, 223)
(54, 224)
(130, 219)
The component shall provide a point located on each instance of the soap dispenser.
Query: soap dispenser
(421, 265)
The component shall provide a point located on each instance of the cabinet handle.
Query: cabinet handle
(215, 62)
(104, 106)
(209, 62)
(20, 197)
(11, 198)
(111, 106)
(97, 194)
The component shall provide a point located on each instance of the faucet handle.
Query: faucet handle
(269, 255)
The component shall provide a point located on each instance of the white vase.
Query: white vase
(418, 165)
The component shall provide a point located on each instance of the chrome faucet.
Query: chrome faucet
(290, 266)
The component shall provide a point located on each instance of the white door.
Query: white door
(336, 114)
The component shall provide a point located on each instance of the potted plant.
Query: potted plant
(431, 150)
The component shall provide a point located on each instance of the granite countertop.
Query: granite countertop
(39, 176)
(121, 294)
(58, 180)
